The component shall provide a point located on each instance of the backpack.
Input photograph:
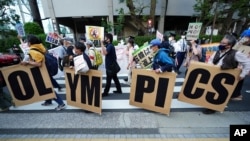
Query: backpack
(98, 57)
(50, 62)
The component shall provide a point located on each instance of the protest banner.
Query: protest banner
(210, 49)
(208, 86)
(152, 91)
(243, 48)
(159, 35)
(143, 56)
(28, 84)
(52, 38)
(94, 32)
(193, 31)
(20, 29)
(83, 90)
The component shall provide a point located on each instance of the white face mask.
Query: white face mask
(170, 38)
(183, 37)
(74, 52)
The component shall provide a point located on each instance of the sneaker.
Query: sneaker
(238, 98)
(46, 103)
(247, 91)
(60, 107)
(117, 92)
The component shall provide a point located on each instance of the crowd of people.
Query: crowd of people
(169, 55)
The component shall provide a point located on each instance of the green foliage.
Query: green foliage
(33, 28)
(107, 25)
(8, 17)
(115, 43)
(140, 40)
(118, 26)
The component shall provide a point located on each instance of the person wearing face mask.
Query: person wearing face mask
(228, 58)
(108, 50)
(181, 48)
(162, 62)
(131, 62)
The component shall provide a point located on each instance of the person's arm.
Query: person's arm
(104, 50)
(244, 61)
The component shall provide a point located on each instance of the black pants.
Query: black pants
(180, 57)
(108, 83)
(237, 90)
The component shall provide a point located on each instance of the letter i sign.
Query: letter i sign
(239, 132)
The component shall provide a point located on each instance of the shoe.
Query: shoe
(4, 109)
(60, 107)
(104, 94)
(117, 92)
(46, 104)
(247, 91)
(238, 98)
(125, 79)
(208, 111)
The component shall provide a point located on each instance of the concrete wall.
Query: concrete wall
(78, 8)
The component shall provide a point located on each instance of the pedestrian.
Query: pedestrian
(36, 59)
(131, 61)
(162, 62)
(68, 59)
(62, 52)
(228, 58)
(92, 54)
(108, 50)
(181, 50)
(193, 53)
(79, 49)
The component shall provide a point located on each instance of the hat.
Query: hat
(155, 42)
(89, 42)
(70, 40)
(172, 34)
(246, 33)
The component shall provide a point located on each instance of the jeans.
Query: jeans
(58, 99)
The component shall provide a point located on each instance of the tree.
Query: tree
(136, 14)
(33, 28)
(8, 16)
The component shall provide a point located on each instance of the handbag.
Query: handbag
(113, 69)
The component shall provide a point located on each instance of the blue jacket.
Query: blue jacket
(163, 61)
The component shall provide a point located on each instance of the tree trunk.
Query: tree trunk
(35, 12)
(137, 22)
(152, 12)
(227, 22)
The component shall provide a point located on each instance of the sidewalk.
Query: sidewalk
(73, 125)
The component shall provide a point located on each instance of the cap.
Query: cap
(70, 40)
(89, 42)
(172, 34)
(246, 33)
(155, 42)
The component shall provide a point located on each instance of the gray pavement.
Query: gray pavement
(120, 124)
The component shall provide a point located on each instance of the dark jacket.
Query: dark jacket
(163, 61)
(228, 61)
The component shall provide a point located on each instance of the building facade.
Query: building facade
(75, 14)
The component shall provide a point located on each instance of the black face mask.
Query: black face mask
(105, 42)
(222, 47)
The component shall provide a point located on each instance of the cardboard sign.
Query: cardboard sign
(143, 56)
(208, 86)
(20, 29)
(52, 38)
(152, 91)
(94, 32)
(244, 49)
(28, 84)
(193, 31)
(83, 90)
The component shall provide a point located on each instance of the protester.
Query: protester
(193, 53)
(36, 59)
(181, 50)
(108, 50)
(162, 62)
(25, 47)
(79, 49)
(165, 43)
(131, 62)
(91, 54)
(62, 52)
(68, 60)
(228, 58)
